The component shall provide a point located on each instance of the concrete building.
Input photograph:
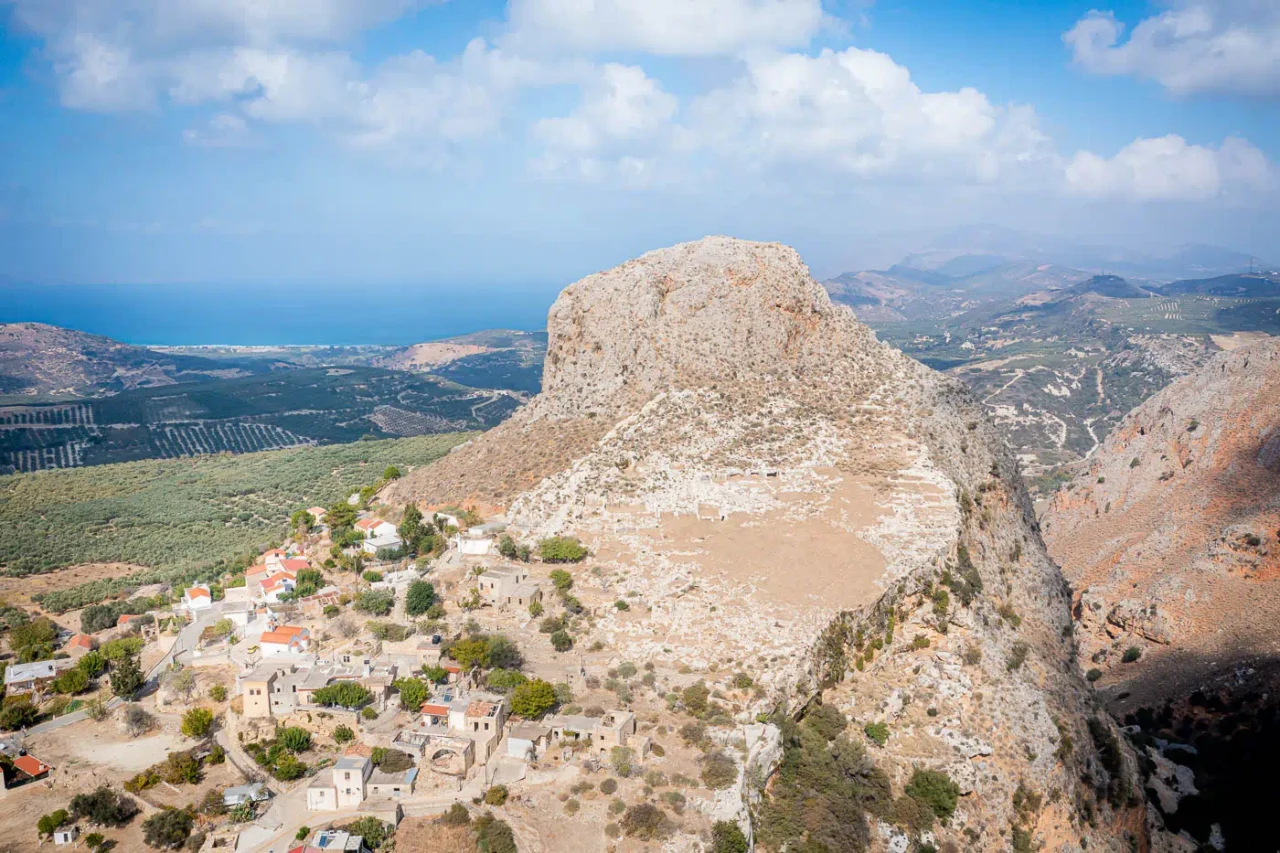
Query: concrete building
(345, 787)
(527, 741)
(29, 679)
(508, 585)
(284, 640)
(254, 792)
(197, 598)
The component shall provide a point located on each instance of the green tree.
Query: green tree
(50, 822)
(562, 549)
(561, 641)
(343, 734)
(343, 694)
(34, 640)
(294, 738)
(727, 837)
(127, 677)
(419, 598)
(410, 528)
(340, 516)
(92, 664)
(533, 699)
(197, 722)
(936, 790)
(168, 829)
(435, 674)
(71, 682)
(103, 807)
(413, 692)
(695, 698)
(561, 580)
(218, 693)
(507, 547)
(302, 520)
(391, 473)
(375, 602)
(287, 768)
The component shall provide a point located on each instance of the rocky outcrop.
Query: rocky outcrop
(760, 477)
(1170, 534)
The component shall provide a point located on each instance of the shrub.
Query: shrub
(71, 682)
(376, 602)
(103, 807)
(561, 641)
(180, 768)
(294, 738)
(51, 822)
(936, 790)
(18, 714)
(1017, 655)
(493, 835)
(496, 796)
(92, 664)
(620, 757)
(695, 698)
(645, 821)
(287, 768)
(532, 699)
(343, 694)
(561, 549)
(719, 771)
(135, 721)
(372, 577)
(168, 828)
(343, 734)
(218, 693)
(727, 837)
(535, 609)
(621, 605)
(369, 713)
(878, 733)
(827, 721)
(457, 815)
(331, 610)
(1131, 654)
(1093, 675)
(561, 580)
(608, 786)
(197, 722)
(505, 680)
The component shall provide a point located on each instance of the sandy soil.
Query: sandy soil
(839, 569)
(1236, 340)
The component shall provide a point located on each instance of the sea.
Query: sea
(280, 315)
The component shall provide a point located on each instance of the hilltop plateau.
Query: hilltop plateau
(766, 487)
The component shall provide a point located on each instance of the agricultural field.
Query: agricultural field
(287, 408)
(180, 518)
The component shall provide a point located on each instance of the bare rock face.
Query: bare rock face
(1170, 535)
(761, 480)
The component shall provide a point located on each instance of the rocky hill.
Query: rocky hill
(772, 488)
(41, 360)
(1169, 536)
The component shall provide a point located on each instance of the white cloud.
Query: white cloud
(622, 123)
(858, 112)
(1227, 46)
(1168, 168)
(664, 27)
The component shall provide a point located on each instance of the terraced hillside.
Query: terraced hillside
(288, 408)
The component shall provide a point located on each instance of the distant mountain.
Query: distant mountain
(1114, 287)
(975, 248)
(1239, 285)
(37, 360)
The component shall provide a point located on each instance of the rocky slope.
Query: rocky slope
(36, 359)
(1169, 537)
(768, 484)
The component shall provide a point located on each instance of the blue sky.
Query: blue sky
(469, 143)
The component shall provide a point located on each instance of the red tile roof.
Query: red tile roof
(293, 565)
(80, 641)
(197, 592)
(368, 523)
(281, 637)
(125, 619)
(434, 710)
(31, 765)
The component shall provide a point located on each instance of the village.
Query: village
(377, 667)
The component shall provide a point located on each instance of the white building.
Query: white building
(197, 598)
(344, 788)
(378, 534)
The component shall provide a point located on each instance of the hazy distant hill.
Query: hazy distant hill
(40, 361)
(1114, 287)
(1237, 284)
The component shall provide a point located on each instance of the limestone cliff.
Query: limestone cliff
(1169, 536)
(770, 486)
